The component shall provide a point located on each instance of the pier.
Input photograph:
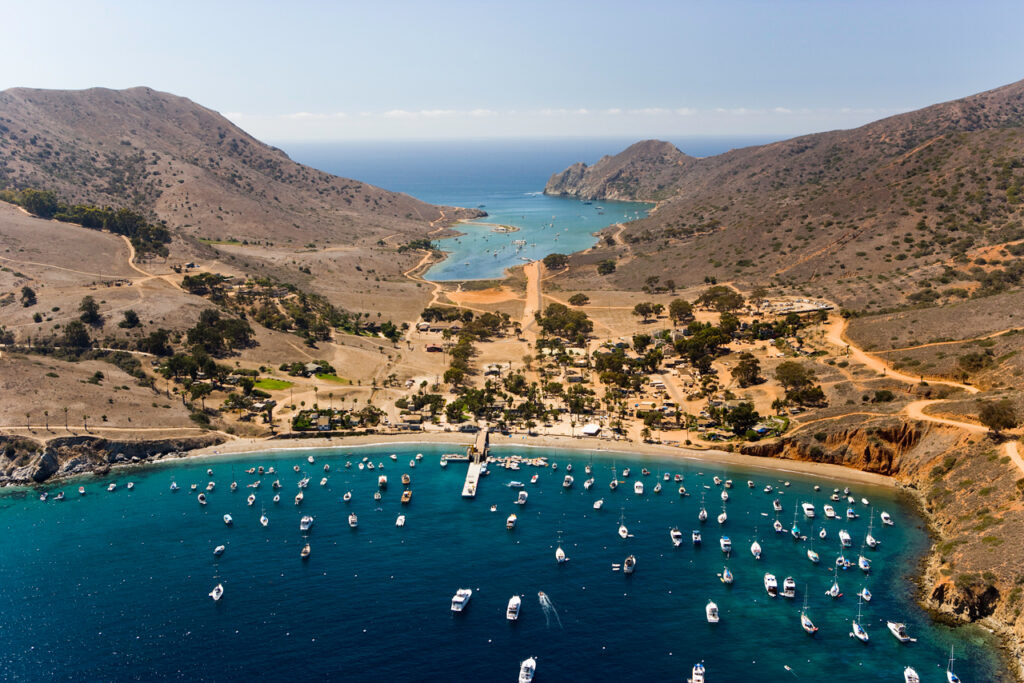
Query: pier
(477, 454)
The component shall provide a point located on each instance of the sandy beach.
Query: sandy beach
(599, 448)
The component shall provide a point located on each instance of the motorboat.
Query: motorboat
(910, 675)
(521, 499)
(625, 473)
(201, 498)
(218, 551)
(588, 483)
(406, 479)
(725, 544)
(43, 496)
(788, 587)
(755, 550)
(209, 473)
(444, 464)
(407, 496)
(193, 487)
(382, 481)
(112, 487)
(512, 611)
(768, 489)
(711, 610)
(808, 509)
(629, 565)
(844, 538)
(353, 521)
(412, 463)
(676, 535)
(323, 482)
(304, 482)
(209, 486)
(276, 484)
(234, 486)
(310, 460)
(851, 514)
(218, 592)
(777, 525)
(461, 599)
(568, 481)
(728, 483)
(510, 522)
(777, 505)
(830, 512)
(726, 576)
(695, 536)
(347, 497)
(886, 518)
(560, 556)
(697, 674)
(822, 534)
(899, 631)
(638, 487)
(60, 496)
(377, 496)
(527, 669)
(533, 479)
(277, 497)
(750, 484)
(400, 521)
(304, 553)
(813, 556)
(81, 489)
(657, 487)
(174, 486)
(598, 503)
(306, 523)
(298, 498)
(228, 521)
(251, 500)
(613, 484)
(717, 479)
(771, 585)
(554, 467)
(370, 466)
(677, 478)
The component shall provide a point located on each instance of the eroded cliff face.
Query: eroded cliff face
(969, 494)
(26, 461)
(643, 171)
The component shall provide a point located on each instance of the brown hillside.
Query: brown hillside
(867, 216)
(189, 166)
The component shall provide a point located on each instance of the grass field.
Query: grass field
(271, 384)
(333, 378)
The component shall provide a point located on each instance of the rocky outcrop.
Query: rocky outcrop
(968, 603)
(641, 172)
(26, 461)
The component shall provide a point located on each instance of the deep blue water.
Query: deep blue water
(503, 177)
(113, 586)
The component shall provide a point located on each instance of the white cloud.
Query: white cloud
(482, 112)
(315, 116)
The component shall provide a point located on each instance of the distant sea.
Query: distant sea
(506, 179)
(113, 586)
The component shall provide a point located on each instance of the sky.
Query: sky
(388, 70)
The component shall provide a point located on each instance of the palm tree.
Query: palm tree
(46, 419)
(66, 419)
(28, 420)
(85, 422)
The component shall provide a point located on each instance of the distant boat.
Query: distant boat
(711, 611)
(629, 565)
(587, 484)
(887, 519)
(218, 592)
(771, 585)
(638, 487)
(623, 531)
(695, 536)
(676, 535)
(406, 496)
(306, 523)
(406, 479)
(174, 487)
(400, 521)
(81, 490)
(112, 487)
(298, 498)
(218, 551)
(726, 576)
(725, 544)
(228, 521)
(510, 522)
(461, 599)
(251, 499)
(899, 631)
(264, 522)
(514, 605)
(527, 669)
(808, 509)
(657, 487)
(789, 588)
(347, 497)
(304, 553)
(201, 498)
(598, 503)
(567, 482)
(353, 521)
(844, 538)
(910, 675)
(950, 676)
(697, 675)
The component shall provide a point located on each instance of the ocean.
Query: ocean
(506, 179)
(113, 586)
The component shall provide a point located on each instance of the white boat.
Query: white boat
(703, 514)
(353, 521)
(805, 621)
(512, 611)
(768, 488)
(865, 594)
(209, 487)
(750, 484)
(726, 576)
(228, 521)
(306, 523)
(788, 587)
(560, 555)
(419, 456)
(510, 522)
(813, 556)
(193, 487)
(844, 538)
(218, 592)
(697, 675)
(382, 481)
(755, 550)
(722, 517)
(725, 496)
(623, 531)
(323, 482)
(676, 535)
(657, 487)
(568, 468)
(264, 522)
(851, 514)
(533, 479)
(864, 564)
(950, 676)
(201, 498)
(400, 521)
(833, 591)
(43, 496)
(771, 585)
(377, 495)
(521, 499)
(638, 487)
(725, 544)
(209, 472)
(910, 675)
(112, 487)
(859, 632)
(717, 479)
(218, 551)
(412, 463)
(629, 565)
(461, 599)
(870, 539)
(393, 456)
(777, 525)
(234, 486)
(277, 497)
(251, 499)
(728, 483)
(327, 468)
(886, 518)
(830, 512)
(899, 631)
(370, 466)
(625, 473)
(711, 611)
(695, 536)
(81, 490)
(60, 496)
(822, 534)
(304, 482)
(568, 481)
(310, 460)
(777, 505)
(598, 503)
(444, 463)
(808, 509)
(588, 483)
(298, 498)
(527, 669)
(131, 485)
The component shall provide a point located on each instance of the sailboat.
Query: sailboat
(811, 555)
(263, 518)
(755, 547)
(559, 553)
(795, 530)
(722, 517)
(703, 514)
(623, 531)
(805, 621)
(834, 591)
(858, 631)
(614, 483)
(726, 576)
(870, 540)
(950, 676)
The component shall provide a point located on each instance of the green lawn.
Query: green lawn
(271, 384)
(333, 378)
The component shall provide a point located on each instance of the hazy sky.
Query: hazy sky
(298, 70)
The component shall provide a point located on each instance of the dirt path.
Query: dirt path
(533, 298)
(993, 335)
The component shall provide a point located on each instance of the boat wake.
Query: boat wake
(549, 610)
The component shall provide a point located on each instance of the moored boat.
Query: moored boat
(899, 631)
(695, 536)
(808, 509)
(304, 553)
(676, 535)
(771, 585)
(887, 519)
(527, 669)
(406, 496)
(218, 551)
(697, 674)
(910, 675)
(789, 587)
(228, 521)
(461, 599)
(711, 611)
(217, 593)
(726, 576)
(353, 521)
(725, 544)
(400, 520)
(514, 605)
(629, 565)
(510, 521)
(306, 523)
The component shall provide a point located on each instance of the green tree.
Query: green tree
(641, 342)
(130, 319)
(680, 310)
(747, 370)
(28, 297)
(76, 336)
(721, 298)
(556, 261)
(90, 312)
(643, 310)
(998, 415)
(742, 418)
(579, 299)
(606, 267)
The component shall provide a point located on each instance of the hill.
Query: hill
(189, 166)
(919, 207)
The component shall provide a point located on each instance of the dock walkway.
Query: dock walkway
(477, 458)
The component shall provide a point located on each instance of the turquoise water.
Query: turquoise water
(113, 586)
